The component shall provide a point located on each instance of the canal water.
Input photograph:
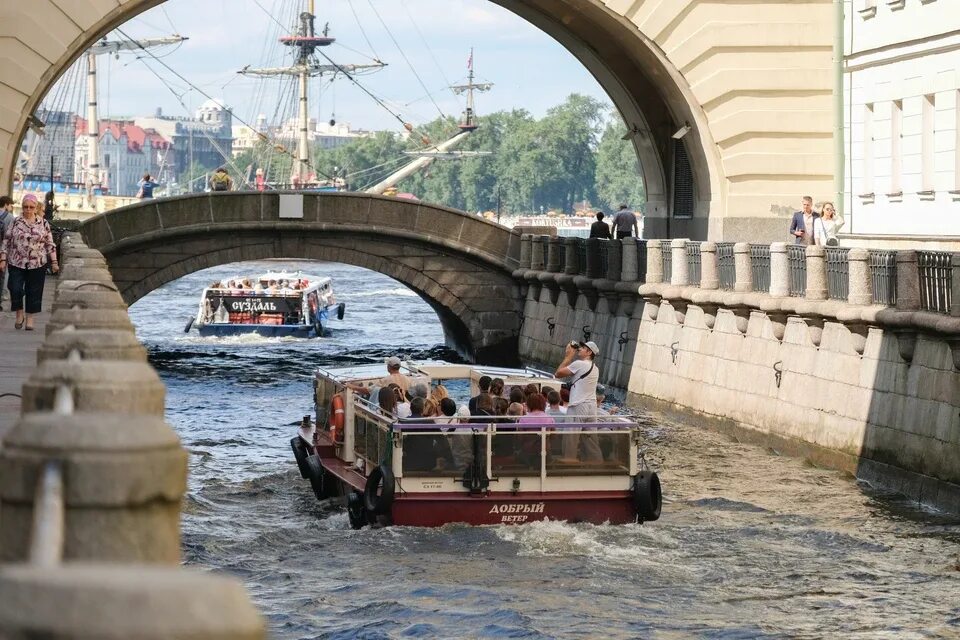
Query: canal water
(751, 544)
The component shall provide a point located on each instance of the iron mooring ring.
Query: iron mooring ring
(778, 372)
(674, 350)
(551, 325)
(586, 333)
(623, 339)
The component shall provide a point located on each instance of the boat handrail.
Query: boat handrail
(419, 424)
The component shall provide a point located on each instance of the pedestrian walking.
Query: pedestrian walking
(6, 219)
(26, 249)
(828, 226)
(625, 223)
(600, 229)
(802, 224)
(49, 206)
(147, 185)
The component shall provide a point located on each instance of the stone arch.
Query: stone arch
(459, 264)
(752, 80)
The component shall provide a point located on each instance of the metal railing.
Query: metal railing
(838, 272)
(693, 263)
(726, 265)
(581, 256)
(641, 248)
(936, 280)
(797, 268)
(667, 252)
(562, 255)
(883, 276)
(545, 243)
(760, 266)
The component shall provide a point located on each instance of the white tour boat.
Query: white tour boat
(275, 304)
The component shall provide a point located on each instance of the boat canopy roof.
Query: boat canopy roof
(434, 370)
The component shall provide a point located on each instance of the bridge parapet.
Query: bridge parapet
(91, 484)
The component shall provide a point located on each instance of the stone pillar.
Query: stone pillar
(572, 266)
(525, 242)
(678, 255)
(908, 281)
(816, 273)
(537, 259)
(593, 265)
(84, 600)
(614, 260)
(655, 261)
(860, 289)
(124, 477)
(779, 270)
(742, 267)
(553, 255)
(629, 271)
(709, 276)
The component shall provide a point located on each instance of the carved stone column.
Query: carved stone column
(816, 273)
(744, 272)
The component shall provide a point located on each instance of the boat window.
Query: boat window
(515, 453)
(592, 451)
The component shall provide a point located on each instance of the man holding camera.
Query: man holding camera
(578, 363)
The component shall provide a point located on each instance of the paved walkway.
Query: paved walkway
(18, 355)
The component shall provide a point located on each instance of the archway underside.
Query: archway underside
(479, 308)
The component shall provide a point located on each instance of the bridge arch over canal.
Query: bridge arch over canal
(748, 81)
(458, 263)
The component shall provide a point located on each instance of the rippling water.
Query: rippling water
(751, 544)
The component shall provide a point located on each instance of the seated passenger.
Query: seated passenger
(536, 410)
(387, 401)
(484, 384)
(403, 407)
(439, 392)
(516, 394)
(515, 410)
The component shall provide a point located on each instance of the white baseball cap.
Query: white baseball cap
(593, 347)
(393, 361)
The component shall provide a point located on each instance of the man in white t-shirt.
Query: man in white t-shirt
(578, 364)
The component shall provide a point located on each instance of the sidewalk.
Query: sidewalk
(18, 354)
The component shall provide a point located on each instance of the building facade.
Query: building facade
(902, 116)
(205, 140)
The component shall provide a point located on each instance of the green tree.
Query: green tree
(618, 176)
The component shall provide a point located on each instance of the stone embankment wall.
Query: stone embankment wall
(808, 364)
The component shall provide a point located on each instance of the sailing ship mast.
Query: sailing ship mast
(105, 47)
(468, 124)
(305, 42)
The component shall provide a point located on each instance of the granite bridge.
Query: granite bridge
(459, 264)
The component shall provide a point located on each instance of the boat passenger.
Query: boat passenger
(578, 364)
(531, 387)
(387, 400)
(448, 409)
(496, 387)
(536, 410)
(403, 406)
(430, 408)
(438, 393)
(515, 410)
(393, 377)
(516, 395)
(500, 405)
(484, 408)
(554, 409)
(484, 384)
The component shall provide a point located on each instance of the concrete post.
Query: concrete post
(779, 270)
(860, 289)
(743, 282)
(593, 269)
(525, 248)
(88, 299)
(655, 261)
(537, 259)
(908, 281)
(96, 385)
(680, 275)
(629, 269)
(553, 255)
(125, 476)
(709, 276)
(816, 273)
(572, 262)
(82, 601)
(614, 260)
(88, 274)
(92, 344)
(115, 319)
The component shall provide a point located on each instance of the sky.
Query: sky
(426, 44)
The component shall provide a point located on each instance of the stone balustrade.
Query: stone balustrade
(91, 485)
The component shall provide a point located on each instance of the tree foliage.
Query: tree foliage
(573, 154)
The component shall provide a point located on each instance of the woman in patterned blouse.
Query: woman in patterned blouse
(26, 247)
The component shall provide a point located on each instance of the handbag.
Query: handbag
(833, 242)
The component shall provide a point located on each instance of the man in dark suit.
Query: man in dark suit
(802, 224)
(600, 229)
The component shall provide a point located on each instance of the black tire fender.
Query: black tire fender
(318, 327)
(341, 308)
(647, 496)
(186, 329)
(300, 455)
(380, 478)
(315, 473)
(356, 513)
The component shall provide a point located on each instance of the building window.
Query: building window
(896, 148)
(927, 150)
(867, 190)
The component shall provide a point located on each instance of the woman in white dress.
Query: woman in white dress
(828, 225)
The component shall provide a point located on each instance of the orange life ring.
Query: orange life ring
(337, 416)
